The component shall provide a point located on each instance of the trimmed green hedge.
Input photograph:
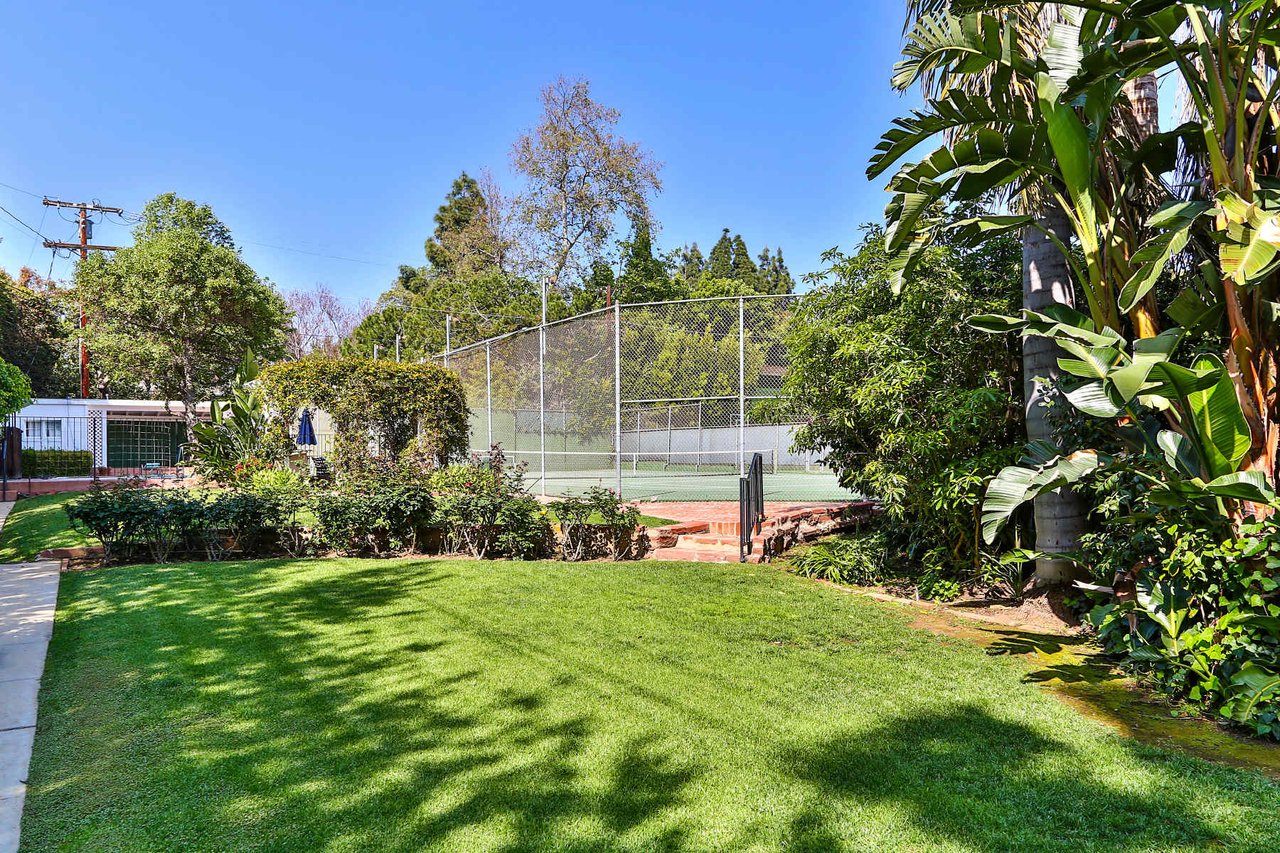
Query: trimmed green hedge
(57, 463)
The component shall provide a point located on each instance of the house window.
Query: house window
(43, 434)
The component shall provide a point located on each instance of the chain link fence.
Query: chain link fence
(664, 400)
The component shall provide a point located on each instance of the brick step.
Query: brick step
(709, 539)
(701, 554)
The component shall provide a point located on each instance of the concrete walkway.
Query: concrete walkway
(28, 597)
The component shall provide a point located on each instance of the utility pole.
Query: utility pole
(84, 247)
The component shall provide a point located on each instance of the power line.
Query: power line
(44, 211)
(20, 190)
(23, 224)
(321, 254)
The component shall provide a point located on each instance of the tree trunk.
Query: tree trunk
(1046, 280)
(1144, 100)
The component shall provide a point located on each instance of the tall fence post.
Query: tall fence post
(542, 405)
(488, 393)
(742, 386)
(617, 393)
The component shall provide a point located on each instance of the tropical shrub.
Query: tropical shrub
(56, 463)
(1202, 620)
(238, 440)
(906, 401)
(858, 559)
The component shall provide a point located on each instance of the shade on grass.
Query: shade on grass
(347, 705)
(35, 524)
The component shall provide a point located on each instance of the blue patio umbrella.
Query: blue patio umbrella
(306, 432)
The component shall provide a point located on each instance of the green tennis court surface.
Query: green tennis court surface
(706, 485)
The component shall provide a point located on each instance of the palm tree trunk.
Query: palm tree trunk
(1059, 515)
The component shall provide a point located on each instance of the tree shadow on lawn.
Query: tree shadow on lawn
(330, 742)
(989, 784)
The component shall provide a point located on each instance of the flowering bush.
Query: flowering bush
(484, 508)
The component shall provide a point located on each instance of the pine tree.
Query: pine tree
(644, 278)
(744, 269)
(691, 264)
(780, 280)
(721, 260)
(463, 204)
(595, 291)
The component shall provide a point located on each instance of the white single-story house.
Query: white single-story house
(118, 434)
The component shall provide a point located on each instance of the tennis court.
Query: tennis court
(675, 476)
(660, 400)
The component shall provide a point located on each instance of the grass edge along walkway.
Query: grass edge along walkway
(456, 705)
(28, 598)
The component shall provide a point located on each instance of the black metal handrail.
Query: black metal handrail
(750, 505)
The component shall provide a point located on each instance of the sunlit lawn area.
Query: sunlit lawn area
(35, 524)
(349, 705)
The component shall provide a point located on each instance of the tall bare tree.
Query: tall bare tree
(580, 174)
(321, 321)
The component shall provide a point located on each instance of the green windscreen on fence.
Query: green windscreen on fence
(139, 443)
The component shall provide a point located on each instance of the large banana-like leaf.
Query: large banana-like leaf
(1058, 322)
(1218, 419)
(1256, 684)
(1209, 412)
(969, 43)
(1062, 50)
(1017, 484)
(1242, 486)
(1251, 247)
(1069, 139)
(1149, 261)
(956, 110)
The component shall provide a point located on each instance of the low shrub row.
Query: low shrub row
(479, 507)
(134, 523)
(56, 463)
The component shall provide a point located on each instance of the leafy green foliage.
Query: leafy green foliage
(596, 523)
(176, 311)
(15, 389)
(907, 402)
(56, 463)
(1203, 621)
(239, 439)
(34, 334)
(380, 409)
(484, 508)
(377, 514)
(134, 523)
(1180, 427)
(857, 559)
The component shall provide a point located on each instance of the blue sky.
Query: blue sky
(335, 129)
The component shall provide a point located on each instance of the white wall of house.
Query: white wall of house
(51, 423)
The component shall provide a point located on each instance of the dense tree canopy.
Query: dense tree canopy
(174, 314)
(35, 334)
(902, 396)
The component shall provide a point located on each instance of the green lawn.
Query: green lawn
(38, 523)
(355, 705)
